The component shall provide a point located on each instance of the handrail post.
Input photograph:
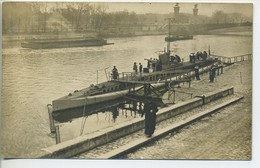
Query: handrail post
(57, 134)
(52, 126)
(174, 96)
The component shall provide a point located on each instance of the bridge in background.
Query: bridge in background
(199, 28)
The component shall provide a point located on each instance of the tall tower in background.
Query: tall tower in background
(176, 9)
(195, 10)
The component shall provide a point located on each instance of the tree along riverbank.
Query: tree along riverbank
(19, 37)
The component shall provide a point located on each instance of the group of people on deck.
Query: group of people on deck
(212, 72)
(175, 59)
(198, 56)
(156, 65)
(115, 73)
(136, 69)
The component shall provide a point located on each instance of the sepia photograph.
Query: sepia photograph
(127, 80)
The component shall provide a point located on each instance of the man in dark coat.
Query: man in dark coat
(205, 55)
(196, 69)
(178, 58)
(135, 67)
(212, 73)
(140, 68)
(115, 73)
(150, 118)
(198, 55)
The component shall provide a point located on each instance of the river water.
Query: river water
(31, 79)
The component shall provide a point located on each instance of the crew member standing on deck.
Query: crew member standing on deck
(212, 73)
(140, 68)
(178, 58)
(192, 58)
(198, 55)
(135, 67)
(196, 69)
(205, 55)
(148, 64)
(115, 73)
(153, 64)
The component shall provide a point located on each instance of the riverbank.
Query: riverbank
(241, 30)
(21, 37)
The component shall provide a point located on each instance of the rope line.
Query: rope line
(83, 118)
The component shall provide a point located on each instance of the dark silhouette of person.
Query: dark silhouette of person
(115, 73)
(140, 68)
(196, 69)
(178, 58)
(115, 113)
(212, 73)
(150, 110)
(205, 55)
(192, 58)
(148, 64)
(153, 65)
(172, 59)
(135, 67)
(198, 55)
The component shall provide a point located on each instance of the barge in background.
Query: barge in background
(178, 37)
(63, 43)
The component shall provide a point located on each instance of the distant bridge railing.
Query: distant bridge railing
(230, 60)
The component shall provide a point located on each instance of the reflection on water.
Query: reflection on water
(33, 78)
(75, 122)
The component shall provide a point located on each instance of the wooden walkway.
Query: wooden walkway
(177, 76)
(231, 60)
(184, 72)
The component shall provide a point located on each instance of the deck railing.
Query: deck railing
(168, 76)
(230, 60)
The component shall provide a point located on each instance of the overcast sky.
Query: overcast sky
(165, 8)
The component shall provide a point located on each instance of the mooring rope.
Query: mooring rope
(83, 118)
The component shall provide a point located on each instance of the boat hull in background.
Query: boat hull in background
(45, 44)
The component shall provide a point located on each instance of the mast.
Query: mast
(168, 41)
